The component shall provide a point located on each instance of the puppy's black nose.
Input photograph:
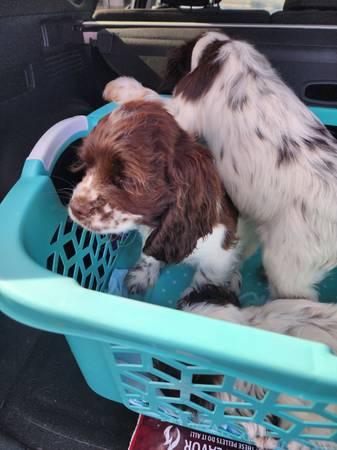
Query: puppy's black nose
(80, 210)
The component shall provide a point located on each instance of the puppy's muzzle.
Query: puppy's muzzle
(80, 210)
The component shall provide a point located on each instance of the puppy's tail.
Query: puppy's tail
(209, 293)
(215, 302)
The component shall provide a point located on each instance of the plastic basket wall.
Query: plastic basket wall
(193, 394)
(171, 387)
(86, 257)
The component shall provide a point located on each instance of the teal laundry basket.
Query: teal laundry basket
(53, 276)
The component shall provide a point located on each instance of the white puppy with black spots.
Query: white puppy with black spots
(276, 159)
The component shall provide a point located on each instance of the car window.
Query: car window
(269, 5)
(114, 4)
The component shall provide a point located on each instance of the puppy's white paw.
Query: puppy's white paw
(124, 89)
(143, 276)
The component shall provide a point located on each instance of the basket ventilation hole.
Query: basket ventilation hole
(168, 393)
(133, 383)
(292, 401)
(68, 227)
(332, 409)
(314, 417)
(101, 252)
(78, 233)
(250, 390)
(55, 235)
(71, 270)
(114, 244)
(237, 412)
(108, 255)
(167, 369)
(94, 245)
(50, 261)
(87, 240)
(278, 422)
(128, 358)
(69, 249)
(79, 277)
(60, 266)
(321, 431)
(201, 402)
(151, 377)
(87, 261)
(209, 380)
(193, 411)
(101, 270)
(87, 281)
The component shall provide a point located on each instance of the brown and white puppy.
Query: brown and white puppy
(142, 171)
(276, 159)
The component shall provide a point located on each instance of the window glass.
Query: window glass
(269, 5)
(114, 4)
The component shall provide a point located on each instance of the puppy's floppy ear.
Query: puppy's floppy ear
(169, 242)
(197, 202)
(195, 84)
(177, 66)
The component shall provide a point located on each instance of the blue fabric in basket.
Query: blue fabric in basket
(116, 283)
(173, 280)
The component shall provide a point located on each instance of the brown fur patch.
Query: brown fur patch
(178, 65)
(197, 83)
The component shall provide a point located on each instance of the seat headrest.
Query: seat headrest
(302, 5)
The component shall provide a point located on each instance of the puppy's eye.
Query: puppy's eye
(116, 175)
(78, 166)
(116, 180)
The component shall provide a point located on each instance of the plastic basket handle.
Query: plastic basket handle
(49, 147)
(55, 140)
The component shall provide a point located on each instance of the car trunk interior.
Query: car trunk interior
(55, 61)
